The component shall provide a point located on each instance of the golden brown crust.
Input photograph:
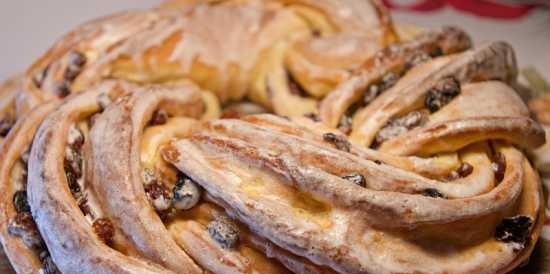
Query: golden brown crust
(22, 258)
(74, 246)
(286, 164)
(430, 176)
(116, 135)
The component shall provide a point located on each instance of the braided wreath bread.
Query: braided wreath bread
(281, 136)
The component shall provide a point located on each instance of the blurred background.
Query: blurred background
(29, 27)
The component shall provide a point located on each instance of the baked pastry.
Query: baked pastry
(8, 91)
(139, 146)
(311, 44)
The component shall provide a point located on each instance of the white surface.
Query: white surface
(29, 28)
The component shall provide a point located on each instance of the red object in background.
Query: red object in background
(485, 8)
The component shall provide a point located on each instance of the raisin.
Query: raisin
(63, 89)
(5, 125)
(73, 162)
(388, 81)
(295, 87)
(20, 202)
(159, 195)
(462, 171)
(371, 93)
(76, 59)
(345, 124)
(23, 226)
(499, 166)
(514, 230)
(48, 265)
(104, 229)
(312, 116)
(159, 117)
(356, 178)
(186, 193)
(436, 52)
(442, 93)
(75, 138)
(224, 231)
(39, 76)
(340, 142)
(148, 176)
(74, 186)
(417, 59)
(401, 125)
(84, 207)
(432, 192)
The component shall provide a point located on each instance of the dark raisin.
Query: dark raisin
(73, 162)
(345, 124)
(417, 59)
(388, 81)
(462, 171)
(75, 138)
(371, 93)
(23, 226)
(159, 117)
(401, 125)
(432, 192)
(316, 32)
(295, 87)
(84, 207)
(20, 202)
(224, 231)
(148, 176)
(340, 142)
(356, 178)
(314, 117)
(39, 76)
(5, 125)
(436, 52)
(71, 72)
(442, 93)
(73, 184)
(159, 195)
(104, 229)
(63, 89)
(186, 193)
(499, 166)
(378, 162)
(76, 59)
(514, 230)
(48, 265)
